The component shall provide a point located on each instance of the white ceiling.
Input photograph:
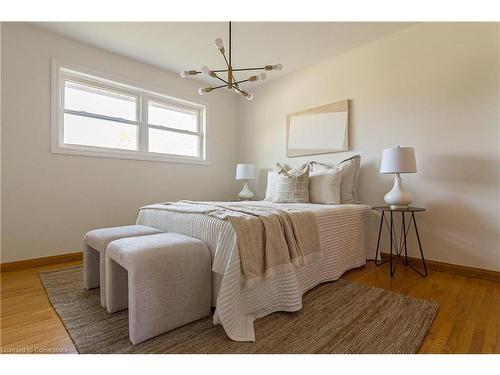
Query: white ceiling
(177, 46)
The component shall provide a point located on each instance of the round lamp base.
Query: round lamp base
(398, 197)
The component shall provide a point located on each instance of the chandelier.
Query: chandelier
(229, 82)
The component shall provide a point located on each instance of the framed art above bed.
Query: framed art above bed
(319, 130)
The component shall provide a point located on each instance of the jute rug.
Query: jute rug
(337, 317)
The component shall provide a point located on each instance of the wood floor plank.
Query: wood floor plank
(443, 289)
(468, 320)
(463, 329)
(491, 342)
(484, 311)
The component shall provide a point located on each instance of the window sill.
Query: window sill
(124, 154)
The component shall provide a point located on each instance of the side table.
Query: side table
(398, 245)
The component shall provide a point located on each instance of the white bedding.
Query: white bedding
(347, 239)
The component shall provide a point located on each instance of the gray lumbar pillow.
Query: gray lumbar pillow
(350, 177)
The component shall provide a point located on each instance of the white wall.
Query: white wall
(50, 200)
(432, 86)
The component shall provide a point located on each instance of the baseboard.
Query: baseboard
(431, 265)
(452, 268)
(36, 262)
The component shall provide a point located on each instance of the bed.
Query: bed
(347, 235)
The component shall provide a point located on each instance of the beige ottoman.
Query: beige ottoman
(163, 279)
(95, 243)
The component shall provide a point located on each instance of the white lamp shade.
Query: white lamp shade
(245, 172)
(398, 160)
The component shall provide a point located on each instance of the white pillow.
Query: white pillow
(272, 177)
(324, 186)
(350, 178)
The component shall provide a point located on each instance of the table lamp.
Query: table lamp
(395, 161)
(245, 172)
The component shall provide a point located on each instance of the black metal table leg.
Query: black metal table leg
(378, 241)
(393, 270)
(404, 236)
(420, 247)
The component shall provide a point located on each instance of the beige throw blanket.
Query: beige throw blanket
(269, 240)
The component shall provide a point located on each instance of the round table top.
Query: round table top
(402, 209)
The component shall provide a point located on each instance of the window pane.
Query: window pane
(167, 142)
(86, 131)
(80, 97)
(162, 115)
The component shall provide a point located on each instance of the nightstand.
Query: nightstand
(399, 244)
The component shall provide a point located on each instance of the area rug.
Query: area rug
(337, 317)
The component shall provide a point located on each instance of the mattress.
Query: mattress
(347, 239)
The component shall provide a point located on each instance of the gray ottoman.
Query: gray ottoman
(95, 243)
(163, 279)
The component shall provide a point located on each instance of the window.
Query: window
(172, 129)
(99, 117)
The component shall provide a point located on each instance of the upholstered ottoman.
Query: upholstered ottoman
(95, 243)
(163, 279)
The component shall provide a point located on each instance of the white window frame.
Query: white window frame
(62, 71)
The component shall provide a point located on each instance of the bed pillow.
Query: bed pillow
(280, 169)
(292, 186)
(272, 177)
(350, 177)
(324, 186)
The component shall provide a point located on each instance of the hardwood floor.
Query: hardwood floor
(468, 320)
(28, 324)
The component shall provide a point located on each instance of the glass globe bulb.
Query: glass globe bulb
(201, 91)
(219, 43)
(249, 96)
(262, 76)
(183, 74)
(278, 67)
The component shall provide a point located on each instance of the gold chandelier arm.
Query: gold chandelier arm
(247, 69)
(225, 59)
(239, 90)
(230, 75)
(232, 79)
(242, 81)
(255, 78)
(218, 87)
(229, 70)
(186, 73)
(221, 79)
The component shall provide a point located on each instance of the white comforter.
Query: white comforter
(347, 239)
